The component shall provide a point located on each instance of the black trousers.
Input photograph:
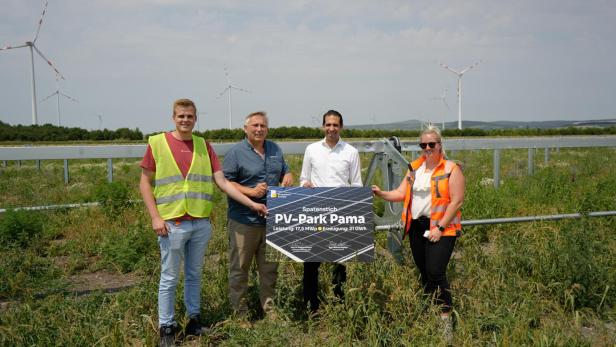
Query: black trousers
(431, 259)
(311, 283)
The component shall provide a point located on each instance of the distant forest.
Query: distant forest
(48, 132)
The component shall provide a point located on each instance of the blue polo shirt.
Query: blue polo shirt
(246, 167)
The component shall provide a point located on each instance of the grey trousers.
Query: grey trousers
(245, 243)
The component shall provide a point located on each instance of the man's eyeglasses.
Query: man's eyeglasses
(423, 145)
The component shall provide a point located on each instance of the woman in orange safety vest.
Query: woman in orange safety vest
(433, 192)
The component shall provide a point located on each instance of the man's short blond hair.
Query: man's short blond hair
(184, 103)
(255, 114)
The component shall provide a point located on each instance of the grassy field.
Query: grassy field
(543, 283)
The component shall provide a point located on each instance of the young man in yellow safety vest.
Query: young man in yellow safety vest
(178, 172)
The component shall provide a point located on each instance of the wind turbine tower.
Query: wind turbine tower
(100, 121)
(460, 74)
(58, 93)
(32, 46)
(443, 98)
(228, 88)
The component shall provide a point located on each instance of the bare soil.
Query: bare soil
(102, 280)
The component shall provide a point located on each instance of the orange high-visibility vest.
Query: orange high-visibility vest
(439, 188)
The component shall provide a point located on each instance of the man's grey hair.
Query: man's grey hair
(255, 114)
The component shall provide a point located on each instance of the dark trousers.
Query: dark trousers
(311, 283)
(431, 259)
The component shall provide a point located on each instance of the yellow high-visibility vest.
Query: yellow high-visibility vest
(175, 195)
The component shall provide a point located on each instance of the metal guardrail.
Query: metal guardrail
(136, 151)
(397, 225)
(110, 152)
(472, 222)
(51, 207)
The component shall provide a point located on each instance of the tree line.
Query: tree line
(311, 133)
(49, 132)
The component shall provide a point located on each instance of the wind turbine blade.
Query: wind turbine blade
(11, 47)
(68, 97)
(222, 93)
(227, 76)
(470, 67)
(49, 96)
(446, 104)
(40, 23)
(240, 89)
(448, 68)
(48, 62)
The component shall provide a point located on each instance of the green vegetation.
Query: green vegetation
(113, 197)
(19, 228)
(48, 132)
(541, 283)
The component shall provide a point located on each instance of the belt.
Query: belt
(185, 217)
(422, 219)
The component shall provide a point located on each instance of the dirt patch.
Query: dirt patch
(489, 248)
(102, 280)
(4, 305)
(214, 258)
(61, 261)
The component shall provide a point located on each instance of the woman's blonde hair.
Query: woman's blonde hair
(434, 130)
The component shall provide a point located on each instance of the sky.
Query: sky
(374, 61)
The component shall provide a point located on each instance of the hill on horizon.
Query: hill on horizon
(414, 124)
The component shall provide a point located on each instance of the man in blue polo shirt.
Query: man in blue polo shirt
(251, 166)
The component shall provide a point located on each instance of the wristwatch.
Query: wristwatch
(440, 228)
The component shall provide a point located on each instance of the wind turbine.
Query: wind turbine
(199, 114)
(443, 98)
(32, 46)
(459, 74)
(100, 121)
(58, 93)
(315, 121)
(228, 88)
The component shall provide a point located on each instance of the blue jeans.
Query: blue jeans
(186, 240)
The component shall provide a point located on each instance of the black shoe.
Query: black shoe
(167, 336)
(195, 328)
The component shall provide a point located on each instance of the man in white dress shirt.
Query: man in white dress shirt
(330, 162)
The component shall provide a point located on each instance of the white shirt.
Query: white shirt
(331, 167)
(422, 196)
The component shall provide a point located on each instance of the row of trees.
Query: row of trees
(48, 132)
(311, 133)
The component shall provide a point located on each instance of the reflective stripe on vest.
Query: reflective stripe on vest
(439, 188)
(175, 195)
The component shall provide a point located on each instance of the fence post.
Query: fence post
(531, 161)
(66, 171)
(109, 170)
(18, 163)
(4, 163)
(38, 165)
(546, 156)
(496, 168)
